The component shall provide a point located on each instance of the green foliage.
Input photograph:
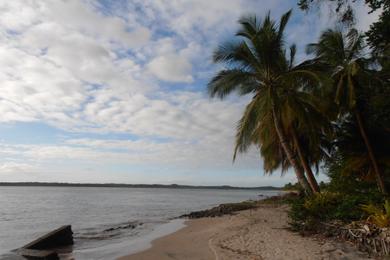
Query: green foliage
(327, 206)
(341, 198)
(373, 4)
(297, 212)
(292, 187)
(348, 163)
(359, 87)
(321, 205)
(379, 34)
(353, 83)
(344, 8)
(333, 108)
(379, 216)
(261, 65)
(349, 208)
(342, 54)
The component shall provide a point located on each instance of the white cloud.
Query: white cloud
(81, 68)
(16, 168)
(171, 67)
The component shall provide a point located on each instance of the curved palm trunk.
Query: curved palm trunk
(292, 159)
(378, 173)
(309, 173)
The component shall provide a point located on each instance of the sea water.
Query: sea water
(107, 222)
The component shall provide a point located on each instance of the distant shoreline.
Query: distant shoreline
(122, 185)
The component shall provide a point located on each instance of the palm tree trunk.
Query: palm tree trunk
(309, 173)
(292, 159)
(378, 173)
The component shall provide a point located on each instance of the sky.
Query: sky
(115, 91)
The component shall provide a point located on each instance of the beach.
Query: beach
(260, 233)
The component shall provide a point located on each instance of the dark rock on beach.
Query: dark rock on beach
(222, 209)
(45, 246)
(62, 236)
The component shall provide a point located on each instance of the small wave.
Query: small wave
(131, 225)
(106, 231)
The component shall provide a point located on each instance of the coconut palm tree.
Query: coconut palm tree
(343, 54)
(257, 64)
(305, 114)
(304, 126)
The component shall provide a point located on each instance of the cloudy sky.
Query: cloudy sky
(115, 91)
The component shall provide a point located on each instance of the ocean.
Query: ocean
(107, 222)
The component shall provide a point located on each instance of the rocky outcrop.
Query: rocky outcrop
(221, 210)
(44, 246)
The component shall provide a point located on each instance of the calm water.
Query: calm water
(107, 222)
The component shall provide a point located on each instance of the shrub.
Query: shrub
(306, 212)
(379, 216)
(322, 205)
(349, 208)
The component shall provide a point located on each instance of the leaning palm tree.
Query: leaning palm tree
(344, 57)
(304, 141)
(304, 114)
(257, 65)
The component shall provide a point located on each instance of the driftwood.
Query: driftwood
(367, 237)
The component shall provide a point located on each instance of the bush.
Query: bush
(340, 199)
(297, 213)
(349, 208)
(378, 215)
(322, 205)
(306, 212)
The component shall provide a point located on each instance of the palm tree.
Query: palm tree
(303, 116)
(351, 148)
(257, 65)
(344, 57)
(304, 126)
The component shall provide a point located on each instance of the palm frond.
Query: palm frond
(249, 26)
(293, 51)
(283, 22)
(238, 54)
(246, 126)
(228, 81)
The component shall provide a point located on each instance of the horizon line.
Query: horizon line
(130, 185)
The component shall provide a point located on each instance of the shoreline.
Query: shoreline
(260, 233)
(133, 245)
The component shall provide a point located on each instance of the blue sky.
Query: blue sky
(115, 91)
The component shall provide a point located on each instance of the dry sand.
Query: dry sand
(252, 234)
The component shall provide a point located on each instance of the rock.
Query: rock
(328, 247)
(339, 255)
(221, 210)
(44, 247)
(62, 236)
(39, 254)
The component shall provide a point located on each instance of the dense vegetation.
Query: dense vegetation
(329, 112)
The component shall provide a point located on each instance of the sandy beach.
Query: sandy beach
(252, 234)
